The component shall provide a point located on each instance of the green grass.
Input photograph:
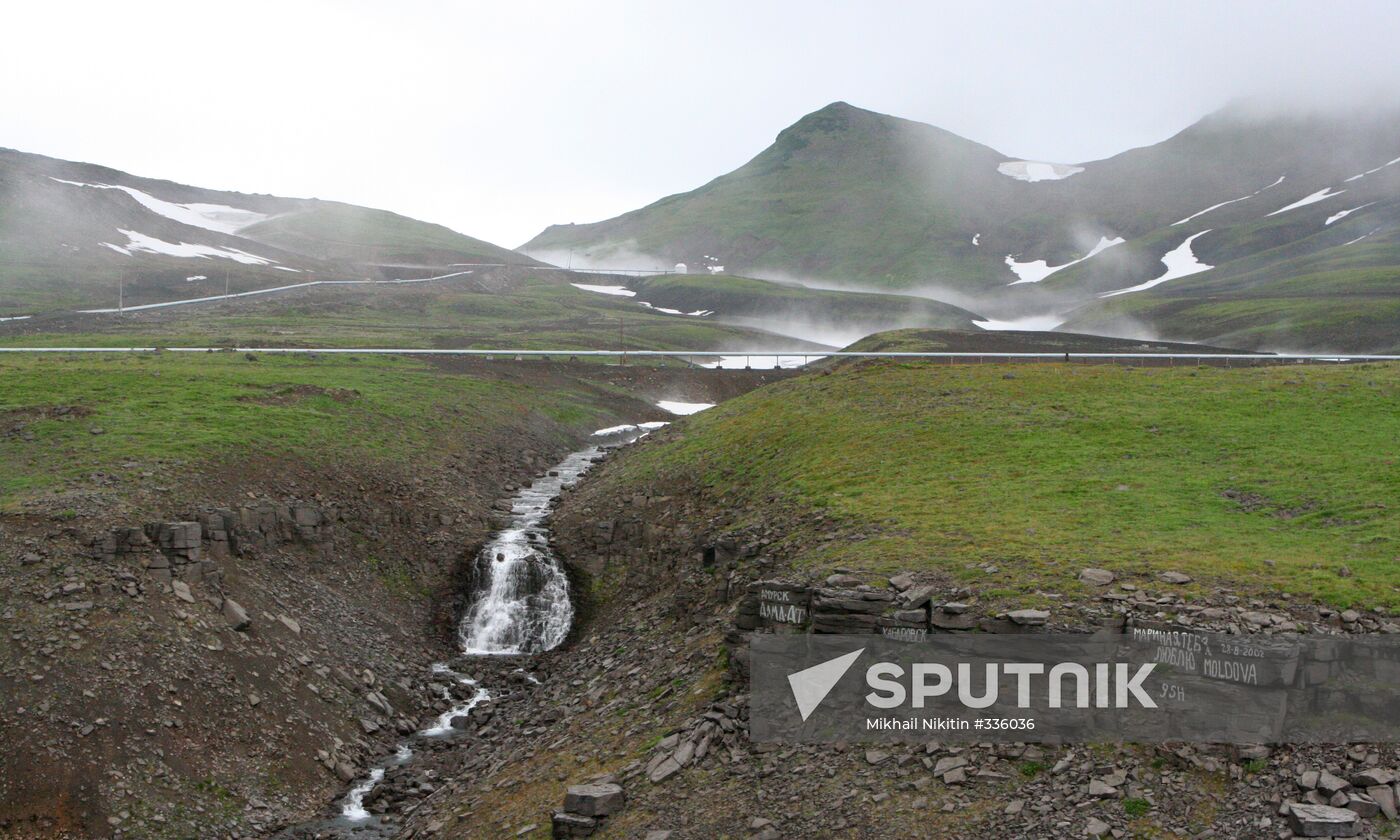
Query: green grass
(201, 407)
(956, 469)
(333, 230)
(536, 314)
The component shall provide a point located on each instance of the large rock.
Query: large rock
(594, 800)
(573, 825)
(1029, 618)
(662, 770)
(1096, 577)
(1384, 796)
(1308, 820)
(235, 615)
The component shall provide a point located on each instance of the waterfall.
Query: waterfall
(522, 602)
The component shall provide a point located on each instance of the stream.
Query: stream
(520, 606)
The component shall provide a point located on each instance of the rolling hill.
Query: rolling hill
(71, 233)
(1248, 228)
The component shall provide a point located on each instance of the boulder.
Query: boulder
(1372, 776)
(663, 770)
(902, 581)
(1364, 806)
(594, 800)
(572, 825)
(1330, 784)
(236, 616)
(1384, 796)
(1028, 618)
(1096, 577)
(1309, 820)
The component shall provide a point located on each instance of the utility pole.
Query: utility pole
(225, 281)
(121, 292)
(622, 337)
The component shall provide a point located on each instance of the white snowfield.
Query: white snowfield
(650, 426)
(616, 291)
(1337, 217)
(1324, 193)
(623, 291)
(1034, 323)
(151, 245)
(1037, 170)
(1370, 171)
(699, 313)
(219, 218)
(1231, 201)
(1180, 262)
(683, 408)
(1037, 270)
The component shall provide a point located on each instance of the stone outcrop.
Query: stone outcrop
(586, 807)
(190, 550)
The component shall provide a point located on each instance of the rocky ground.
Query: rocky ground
(218, 648)
(650, 698)
(227, 669)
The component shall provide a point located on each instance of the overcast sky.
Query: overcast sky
(500, 118)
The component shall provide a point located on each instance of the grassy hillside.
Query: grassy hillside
(842, 193)
(1300, 285)
(828, 317)
(63, 417)
(1013, 341)
(1270, 479)
(330, 230)
(522, 310)
(71, 233)
(853, 198)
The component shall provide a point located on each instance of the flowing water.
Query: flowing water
(520, 603)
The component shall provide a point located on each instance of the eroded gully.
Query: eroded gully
(520, 605)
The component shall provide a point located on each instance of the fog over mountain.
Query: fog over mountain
(499, 120)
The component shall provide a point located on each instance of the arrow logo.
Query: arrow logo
(811, 685)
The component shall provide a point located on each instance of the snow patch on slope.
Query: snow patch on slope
(1180, 262)
(1369, 171)
(616, 291)
(1037, 270)
(1337, 217)
(1032, 323)
(1325, 192)
(683, 408)
(1231, 201)
(219, 218)
(1037, 170)
(151, 245)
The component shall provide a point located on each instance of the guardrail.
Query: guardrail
(736, 354)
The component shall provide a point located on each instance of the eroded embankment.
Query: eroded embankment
(220, 655)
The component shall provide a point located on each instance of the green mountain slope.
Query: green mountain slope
(72, 233)
(848, 197)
